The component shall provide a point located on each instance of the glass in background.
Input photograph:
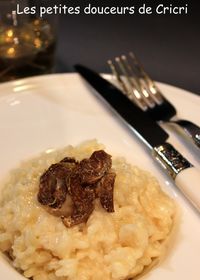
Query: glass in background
(27, 42)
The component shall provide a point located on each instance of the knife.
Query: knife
(184, 174)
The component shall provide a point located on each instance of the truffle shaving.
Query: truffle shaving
(84, 181)
(52, 187)
(105, 192)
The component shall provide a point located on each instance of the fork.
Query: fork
(137, 85)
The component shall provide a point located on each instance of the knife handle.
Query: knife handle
(188, 181)
(185, 175)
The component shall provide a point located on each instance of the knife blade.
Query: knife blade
(154, 136)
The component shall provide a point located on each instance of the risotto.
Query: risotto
(117, 245)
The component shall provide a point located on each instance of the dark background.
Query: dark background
(167, 45)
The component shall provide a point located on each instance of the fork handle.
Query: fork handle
(191, 129)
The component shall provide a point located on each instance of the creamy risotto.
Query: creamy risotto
(117, 245)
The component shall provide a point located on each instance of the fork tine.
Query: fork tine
(129, 72)
(122, 62)
(141, 87)
(139, 67)
(133, 92)
(118, 77)
(146, 78)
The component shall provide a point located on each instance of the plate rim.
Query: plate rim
(39, 78)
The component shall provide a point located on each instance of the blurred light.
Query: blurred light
(11, 52)
(16, 41)
(37, 43)
(10, 33)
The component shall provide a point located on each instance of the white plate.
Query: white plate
(53, 111)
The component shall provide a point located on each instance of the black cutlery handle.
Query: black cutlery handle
(191, 129)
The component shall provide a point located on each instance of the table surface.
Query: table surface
(167, 45)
